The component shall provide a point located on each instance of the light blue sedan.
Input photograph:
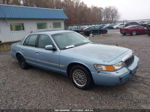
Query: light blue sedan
(73, 55)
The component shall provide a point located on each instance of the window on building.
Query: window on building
(17, 27)
(41, 25)
(56, 24)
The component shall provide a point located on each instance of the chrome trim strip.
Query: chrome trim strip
(54, 64)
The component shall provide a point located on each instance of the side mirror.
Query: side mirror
(50, 47)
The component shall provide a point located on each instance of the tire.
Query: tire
(103, 32)
(81, 77)
(123, 34)
(86, 33)
(134, 33)
(22, 62)
(91, 33)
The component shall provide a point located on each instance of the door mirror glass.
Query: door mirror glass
(50, 47)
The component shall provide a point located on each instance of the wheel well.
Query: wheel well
(135, 31)
(18, 56)
(73, 64)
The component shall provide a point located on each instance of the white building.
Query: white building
(17, 21)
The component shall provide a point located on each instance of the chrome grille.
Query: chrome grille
(129, 61)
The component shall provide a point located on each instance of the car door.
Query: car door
(29, 49)
(142, 30)
(94, 30)
(48, 59)
(97, 30)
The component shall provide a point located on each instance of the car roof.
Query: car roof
(133, 26)
(52, 32)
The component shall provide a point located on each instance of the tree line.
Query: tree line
(77, 11)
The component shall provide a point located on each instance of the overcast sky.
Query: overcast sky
(128, 9)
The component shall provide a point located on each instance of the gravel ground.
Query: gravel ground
(39, 89)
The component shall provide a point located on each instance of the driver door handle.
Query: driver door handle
(37, 52)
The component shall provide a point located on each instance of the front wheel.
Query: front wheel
(81, 77)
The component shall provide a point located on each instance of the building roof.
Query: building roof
(23, 12)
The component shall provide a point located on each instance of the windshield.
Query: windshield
(69, 39)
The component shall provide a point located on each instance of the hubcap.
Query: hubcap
(79, 78)
(134, 33)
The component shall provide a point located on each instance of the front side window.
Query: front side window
(17, 27)
(96, 27)
(44, 40)
(89, 28)
(31, 40)
(41, 25)
(56, 24)
(69, 39)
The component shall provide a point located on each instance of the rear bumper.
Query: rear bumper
(117, 77)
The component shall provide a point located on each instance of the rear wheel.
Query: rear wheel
(134, 33)
(123, 34)
(22, 62)
(91, 34)
(81, 77)
(103, 31)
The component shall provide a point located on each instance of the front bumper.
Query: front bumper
(117, 77)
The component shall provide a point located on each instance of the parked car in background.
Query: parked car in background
(75, 28)
(101, 26)
(95, 30)
(133, 30)
(144, 24)
(118, 26)
(148, 29)
(131, 23)
(73, 55)
(84, 27)
(109, 26)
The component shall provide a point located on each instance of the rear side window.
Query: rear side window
(31, 40)
(44, 40)
(141, 27)
(96, 28)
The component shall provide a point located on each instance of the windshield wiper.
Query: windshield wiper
(82, 43)
(70, 46)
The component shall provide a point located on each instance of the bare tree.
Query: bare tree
(77, 11)
(110, 15)
(16, 2)
(5, 1)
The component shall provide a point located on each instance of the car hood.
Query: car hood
(105, 53)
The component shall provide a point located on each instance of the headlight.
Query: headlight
(109, 67)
